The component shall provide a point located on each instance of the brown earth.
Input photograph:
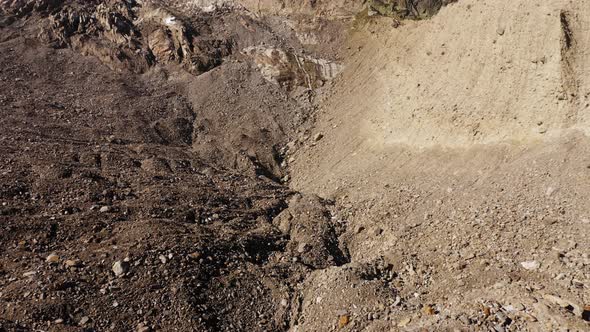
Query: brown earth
(294, 165)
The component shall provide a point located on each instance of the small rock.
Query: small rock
(72, 263)
(500, 31)
(194, 255)
(142, 328)
(163, 259)
(58, 321)
(428, 310)
(404, 322)
(105, 209)
(563, 303)
(22, 244)
(84, 320)
(284, 302)
(377, 231)
(291, 146)
(343, 321)
(318, 137)
(530, 265)
(29, 274)
(303, 247)
(52, 259)
(120, 268)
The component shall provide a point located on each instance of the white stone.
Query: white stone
(530, 265)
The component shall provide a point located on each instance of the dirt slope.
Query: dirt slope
(456, 148)
(475, 73)
(294, 165)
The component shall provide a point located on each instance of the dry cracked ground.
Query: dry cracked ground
(291, 165)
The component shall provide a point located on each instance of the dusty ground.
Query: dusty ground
(294, 166)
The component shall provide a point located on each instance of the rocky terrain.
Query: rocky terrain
(329, 165)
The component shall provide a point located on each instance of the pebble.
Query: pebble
(343, 321)
(141, 327)
(105, 209)
(563, 303)
(194, 255)
(84, 320)
(404, 322)
(120, 268)
(163, 259)
(318, 137)
(428, 310)
(577, 283)
(52, 259)
(530, 265)
(72, 263)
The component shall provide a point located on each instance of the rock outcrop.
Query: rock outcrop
(125, 35)
(290, 70)
(406, 8)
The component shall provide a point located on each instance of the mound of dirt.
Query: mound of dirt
(461, 155)
(138, 193)
(347, 165)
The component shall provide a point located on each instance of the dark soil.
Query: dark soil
(173, 173)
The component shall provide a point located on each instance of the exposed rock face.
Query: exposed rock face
(290, 70)
(135, 35)
(124, 34)
(330, 8)
(407, 8)
(24, 7)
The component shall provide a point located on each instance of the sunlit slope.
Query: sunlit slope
(478, 72)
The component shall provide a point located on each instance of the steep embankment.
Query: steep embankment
(475, 73)
(456, 147)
